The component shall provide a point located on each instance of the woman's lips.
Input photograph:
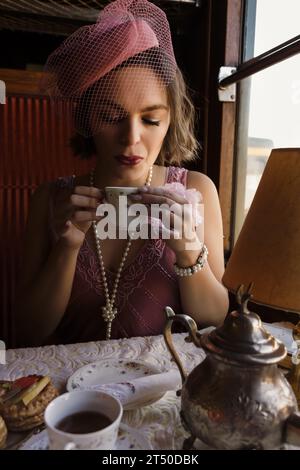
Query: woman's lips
(125, 160)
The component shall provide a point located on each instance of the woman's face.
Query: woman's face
(133, 121)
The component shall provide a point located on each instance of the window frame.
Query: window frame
(234, 117)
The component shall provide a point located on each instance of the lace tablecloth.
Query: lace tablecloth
(159, 423)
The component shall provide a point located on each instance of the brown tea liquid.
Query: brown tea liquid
(83, 422)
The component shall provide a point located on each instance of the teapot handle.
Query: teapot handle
(194, 336)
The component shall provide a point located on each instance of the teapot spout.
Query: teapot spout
(292, 431)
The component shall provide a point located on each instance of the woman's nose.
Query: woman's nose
(131, 132)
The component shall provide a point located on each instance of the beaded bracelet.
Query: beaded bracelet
(181, 272)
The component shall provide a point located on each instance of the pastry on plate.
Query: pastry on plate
(24, 401)
(3, 432)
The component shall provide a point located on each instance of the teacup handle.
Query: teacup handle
(70, 446)
(193, 335)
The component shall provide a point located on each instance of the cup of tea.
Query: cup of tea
(113, 193)
(83, 420)
(113, 196)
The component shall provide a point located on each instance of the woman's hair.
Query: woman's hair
(180, 143)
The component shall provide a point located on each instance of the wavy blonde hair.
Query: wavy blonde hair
(180, 143)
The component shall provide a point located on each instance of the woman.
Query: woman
(131, 110)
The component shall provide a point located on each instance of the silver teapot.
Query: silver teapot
(237, 398)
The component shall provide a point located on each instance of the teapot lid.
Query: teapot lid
(242, 337)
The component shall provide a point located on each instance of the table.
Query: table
(159, 423)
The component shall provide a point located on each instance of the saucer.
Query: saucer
(128, 439)
(110, 372)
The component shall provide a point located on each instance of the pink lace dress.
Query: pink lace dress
(146, 286)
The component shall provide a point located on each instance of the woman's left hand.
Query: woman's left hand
(179, 226)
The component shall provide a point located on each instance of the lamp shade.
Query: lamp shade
(267, 251)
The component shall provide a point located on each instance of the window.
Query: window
(269, 100)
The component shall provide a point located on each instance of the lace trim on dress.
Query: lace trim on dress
(176, 175)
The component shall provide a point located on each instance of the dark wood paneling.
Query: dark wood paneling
(34, 149)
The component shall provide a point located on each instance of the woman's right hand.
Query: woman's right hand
(74, 212)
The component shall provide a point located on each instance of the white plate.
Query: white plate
(108, 372)
(128, 439)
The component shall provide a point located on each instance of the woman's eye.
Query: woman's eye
(151, 122)
(117, 118)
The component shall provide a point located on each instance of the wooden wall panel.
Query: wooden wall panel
(33, 149)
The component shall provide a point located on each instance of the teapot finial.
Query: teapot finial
(243, 295)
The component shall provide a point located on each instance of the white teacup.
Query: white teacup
(113, 193)
(113, 196)
(82, 401)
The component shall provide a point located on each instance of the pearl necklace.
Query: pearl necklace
(109, 312)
